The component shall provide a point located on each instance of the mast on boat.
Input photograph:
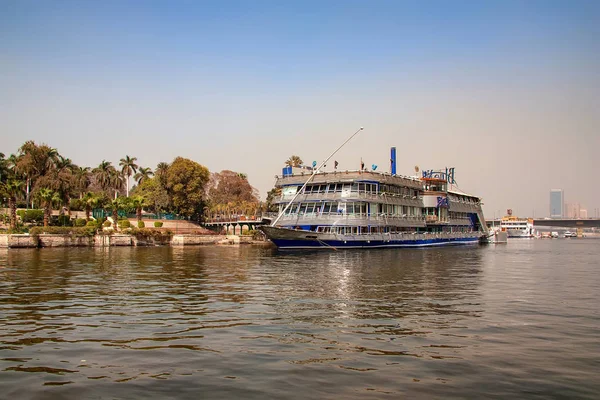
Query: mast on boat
(315, 171)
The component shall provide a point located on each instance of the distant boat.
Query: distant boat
(517, 227)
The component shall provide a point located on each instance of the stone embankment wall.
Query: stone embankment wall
(29, 241)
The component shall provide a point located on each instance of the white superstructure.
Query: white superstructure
(517, 227)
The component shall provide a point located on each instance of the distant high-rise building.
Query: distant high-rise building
(583, 214)
(557, 203)
(572, 210)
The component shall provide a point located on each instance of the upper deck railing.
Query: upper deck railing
(350, 176)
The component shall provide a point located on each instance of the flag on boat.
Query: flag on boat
(442, 201)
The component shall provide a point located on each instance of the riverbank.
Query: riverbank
(15, 241)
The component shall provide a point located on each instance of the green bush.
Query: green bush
(16, 231)
(80, 222)
(63, 230)
(158, 224)
(106, 224)
(124, 223)
(77, 205)
(63, 220)
(31, 215)
(141, 224)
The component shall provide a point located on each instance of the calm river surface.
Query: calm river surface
(510, 321)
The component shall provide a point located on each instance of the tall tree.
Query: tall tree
(157, 197)
(116, 181)
(228, 186)
(161, 173)
(82, 180)
(33, 162)
(143, 174)
(185, 184)
(128, 168)
(103, 174)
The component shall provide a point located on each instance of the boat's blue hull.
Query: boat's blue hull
(348, 244)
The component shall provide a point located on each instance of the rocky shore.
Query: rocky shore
(49, 240)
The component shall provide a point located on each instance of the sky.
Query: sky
(507, 92)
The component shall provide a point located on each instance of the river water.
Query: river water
(509, 321)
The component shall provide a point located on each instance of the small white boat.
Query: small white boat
(517, 227)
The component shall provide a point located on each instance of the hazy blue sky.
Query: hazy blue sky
(507, 92)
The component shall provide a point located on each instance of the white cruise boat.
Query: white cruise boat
(371, 209)
(517, 227)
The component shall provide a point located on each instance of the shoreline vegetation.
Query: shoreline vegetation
(44, 193)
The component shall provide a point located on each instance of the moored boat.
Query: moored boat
(370, 209)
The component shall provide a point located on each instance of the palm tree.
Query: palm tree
(128, 168)
(103, 174)
(46, 196)
(13, 190)
(143, 174)
(82, 180)
(138, 202)
(115, 205)
(62, 163)
(58, 200)
(161, 173)
(116, 182)
(294, 161)
(91, 202)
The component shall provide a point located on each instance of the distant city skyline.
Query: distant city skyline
(506, 92)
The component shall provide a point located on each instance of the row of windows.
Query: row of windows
(358, 230)
(399, 191)
(457, 215)
(359, 187)
(365, 230)
(351, 208)
(463, 199)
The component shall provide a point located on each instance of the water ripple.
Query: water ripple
(249, 322)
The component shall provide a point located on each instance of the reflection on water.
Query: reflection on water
(250, 322)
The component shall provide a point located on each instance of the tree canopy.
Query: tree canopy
(36, 170)
(228, 186)
(185, 183)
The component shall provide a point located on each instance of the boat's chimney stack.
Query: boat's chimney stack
(393, 160)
